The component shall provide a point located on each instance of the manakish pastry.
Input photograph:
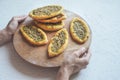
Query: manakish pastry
(50, 26)
(33, 35)
(58, 43)
(79, 30)
(46, 12)
(54, 19)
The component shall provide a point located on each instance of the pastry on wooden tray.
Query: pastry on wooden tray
(33, 35)
(46, 12)
(58, 43)
(50, 26)
(79, 30)
(54, 19)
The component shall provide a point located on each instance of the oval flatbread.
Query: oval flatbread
(46, 12)
(79, 30)
(33, 35)
(54, 19)
(50, 26)
(58, 43)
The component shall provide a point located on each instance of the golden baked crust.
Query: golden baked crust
(54, 19)
(58, 43)
(50, 26)
(79, 30)
(46, 12)
(33, 35)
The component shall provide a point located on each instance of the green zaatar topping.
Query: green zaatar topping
(79, 29)
(47, 10)
(58, 41)
(33, 33)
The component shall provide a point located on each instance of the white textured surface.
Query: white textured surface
(103, 16)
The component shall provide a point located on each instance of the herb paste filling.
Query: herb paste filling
(47, 10)
(58, 41)
(33, 33)
(79, 29)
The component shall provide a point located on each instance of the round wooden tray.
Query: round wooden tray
(37, 55)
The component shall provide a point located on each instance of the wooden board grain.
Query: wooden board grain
(37, 55)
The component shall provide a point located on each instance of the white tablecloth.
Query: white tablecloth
(103, 16)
